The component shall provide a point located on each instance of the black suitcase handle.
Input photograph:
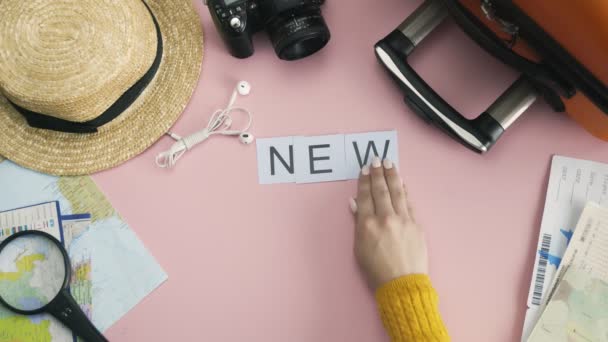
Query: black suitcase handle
(478, 134)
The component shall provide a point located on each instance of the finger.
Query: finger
(395, 187)
(380, 193)
(410, 213)
(410, 209)
(365, 203)
(353, 205)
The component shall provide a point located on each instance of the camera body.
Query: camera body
(296, 27)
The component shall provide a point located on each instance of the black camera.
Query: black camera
(296, 27)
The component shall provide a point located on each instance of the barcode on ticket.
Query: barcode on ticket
(539, 282)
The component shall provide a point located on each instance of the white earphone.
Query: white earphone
(244, 88)
(246, 138)
(219, 124)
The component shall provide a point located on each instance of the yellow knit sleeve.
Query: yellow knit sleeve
(409, 310)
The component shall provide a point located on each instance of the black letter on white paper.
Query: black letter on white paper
(313, 159)
(274, 152)
(370, 146)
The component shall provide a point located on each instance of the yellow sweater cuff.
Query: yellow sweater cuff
(409, 310)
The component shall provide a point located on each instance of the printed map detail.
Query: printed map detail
(81, 284)
(577, 311)
(32, 272)
(112, 270)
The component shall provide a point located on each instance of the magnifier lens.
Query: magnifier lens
(32, 272)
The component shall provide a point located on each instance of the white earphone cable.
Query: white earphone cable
(219, 124)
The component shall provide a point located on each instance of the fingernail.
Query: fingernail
(353, 205)
(387, 164)
(365, 170)
(376, 162)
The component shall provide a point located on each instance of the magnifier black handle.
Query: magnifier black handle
(65, 309)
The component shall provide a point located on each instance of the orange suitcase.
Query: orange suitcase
(559, 46)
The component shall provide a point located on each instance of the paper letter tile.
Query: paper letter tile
(276, 160)
(361, 148)
(319, 159)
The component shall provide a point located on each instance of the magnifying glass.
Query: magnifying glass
(34, 277)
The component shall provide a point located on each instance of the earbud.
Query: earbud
(246, 138)
(243, 88)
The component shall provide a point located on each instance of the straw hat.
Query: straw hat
(86, 85)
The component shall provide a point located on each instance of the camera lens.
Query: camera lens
(298, 34)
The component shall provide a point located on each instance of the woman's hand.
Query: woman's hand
(388, 242)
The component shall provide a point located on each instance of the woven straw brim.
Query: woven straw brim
(146, 120)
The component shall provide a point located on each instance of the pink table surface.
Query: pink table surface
(274, 263)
